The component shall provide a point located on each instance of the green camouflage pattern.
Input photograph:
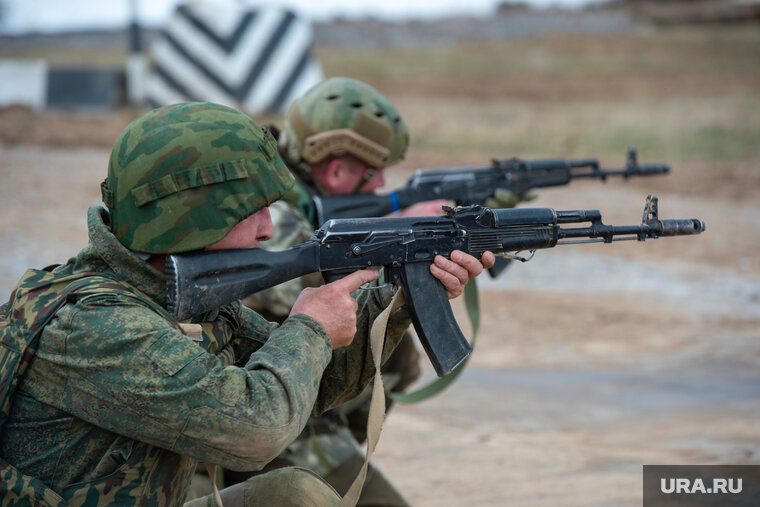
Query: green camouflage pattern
(38, 296)
(181, 176)
(32, 305)
(344, 103)
(36, 300)
(117, 405)
(19, 490)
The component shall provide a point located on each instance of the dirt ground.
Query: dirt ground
(592, 360)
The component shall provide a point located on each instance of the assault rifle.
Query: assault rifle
(474, 184)
(203, 280)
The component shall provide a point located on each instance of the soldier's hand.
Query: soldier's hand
(503, 198)
(424, 209)
(333, 307)
(455, 273)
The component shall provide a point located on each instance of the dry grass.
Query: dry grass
(687, 96)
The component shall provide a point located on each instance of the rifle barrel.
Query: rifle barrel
(625, 173)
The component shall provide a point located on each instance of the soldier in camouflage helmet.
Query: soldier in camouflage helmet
(338, 138)
(105, 400)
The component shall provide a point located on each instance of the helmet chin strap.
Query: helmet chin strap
(369, 173)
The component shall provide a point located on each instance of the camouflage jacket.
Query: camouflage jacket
(118, 404)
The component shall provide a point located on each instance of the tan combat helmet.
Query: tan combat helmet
(342, 116)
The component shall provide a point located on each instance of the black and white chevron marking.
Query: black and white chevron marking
(255, 59)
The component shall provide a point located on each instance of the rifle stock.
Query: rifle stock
(201, 281)
(220, 276)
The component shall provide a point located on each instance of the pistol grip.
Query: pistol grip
(433, 319)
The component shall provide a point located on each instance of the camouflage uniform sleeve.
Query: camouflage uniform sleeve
(352, 367)
(290, 228)
(126, 369)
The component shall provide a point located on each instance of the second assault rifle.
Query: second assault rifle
(474, 184)
(203, 280)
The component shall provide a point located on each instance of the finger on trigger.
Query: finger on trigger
(488, 259)
(358, 278)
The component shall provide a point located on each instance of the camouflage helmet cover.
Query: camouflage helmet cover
(344, 116)
(181, 177)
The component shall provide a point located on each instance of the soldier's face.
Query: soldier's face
(247, 233)
(342, 175)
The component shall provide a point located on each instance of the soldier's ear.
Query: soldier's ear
(336, 171)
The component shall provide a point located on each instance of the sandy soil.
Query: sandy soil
(591, 361)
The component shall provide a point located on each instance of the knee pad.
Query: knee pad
(291, 486)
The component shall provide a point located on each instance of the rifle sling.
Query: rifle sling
(377, 404)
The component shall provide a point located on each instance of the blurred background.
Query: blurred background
(592, 360)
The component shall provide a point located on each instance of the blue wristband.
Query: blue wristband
(394, 202)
